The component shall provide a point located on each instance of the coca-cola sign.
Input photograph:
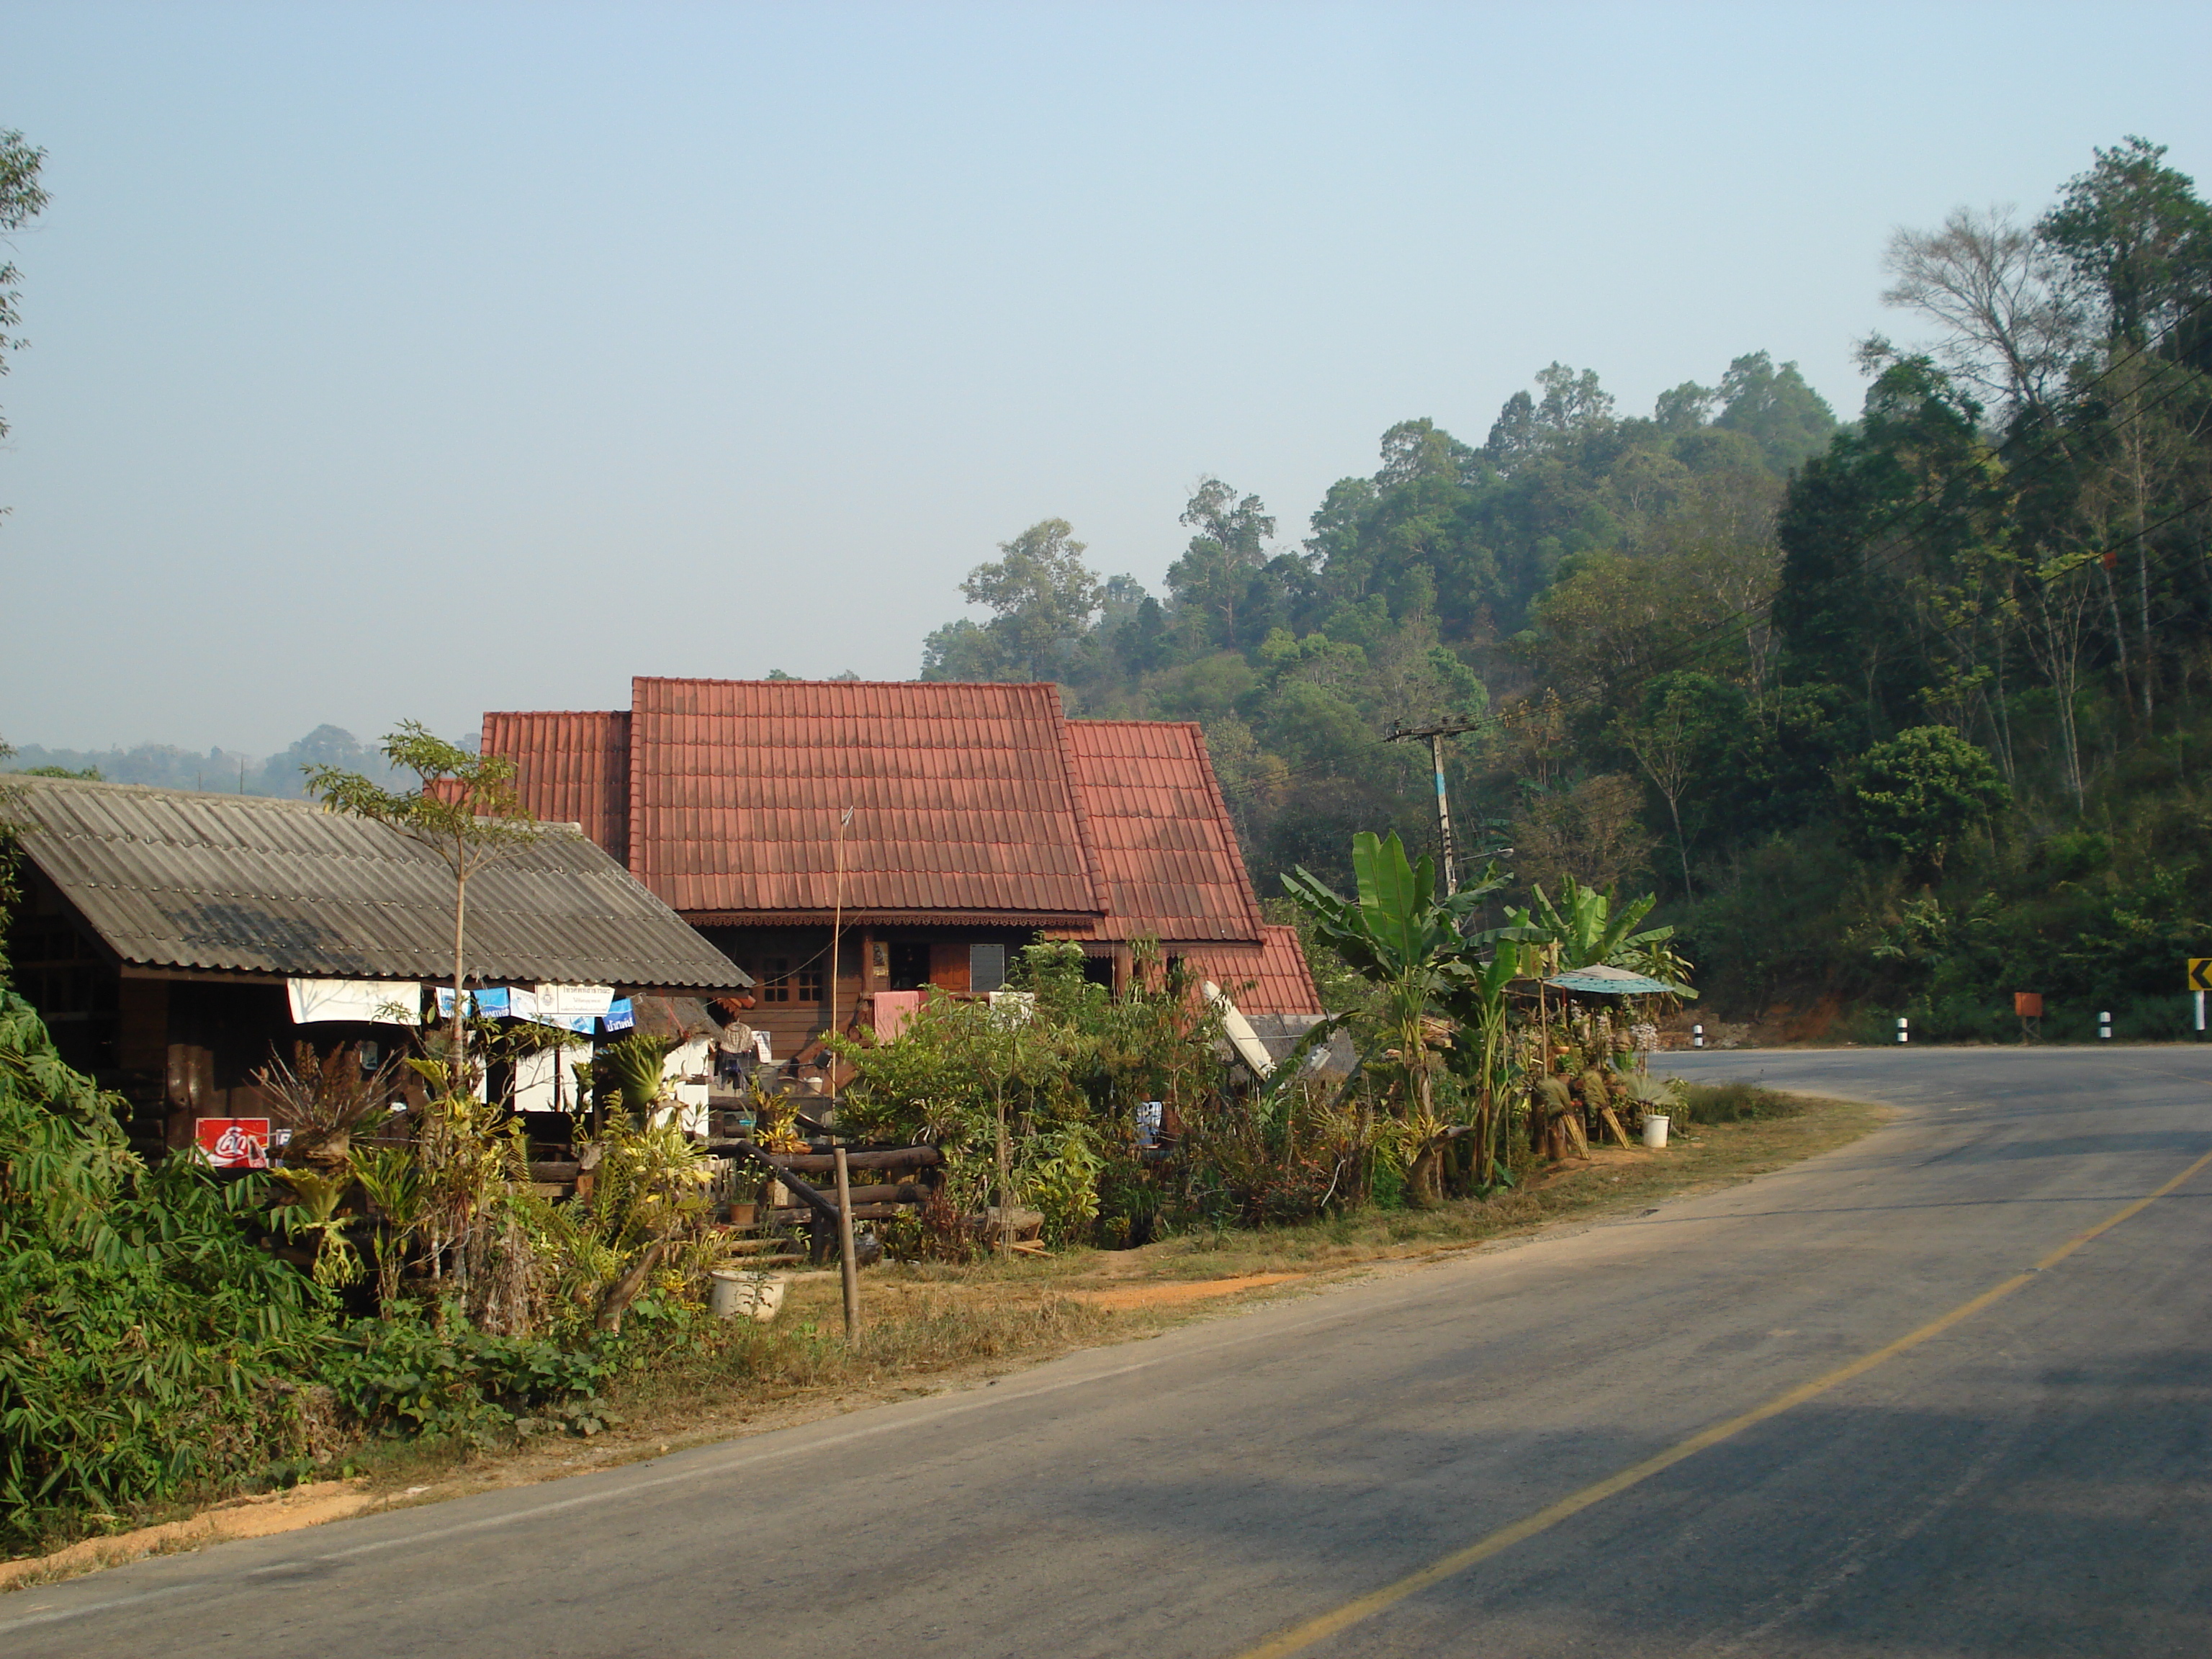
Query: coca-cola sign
(233, 1143)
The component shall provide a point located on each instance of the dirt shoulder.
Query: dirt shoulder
(929, 1328)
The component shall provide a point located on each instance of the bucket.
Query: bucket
(736, 1294)
(1654, 1128)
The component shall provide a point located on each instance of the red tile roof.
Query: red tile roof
(960, 796)
(974, 806)
(1269, 978)
(1165, 844)
(570, 769)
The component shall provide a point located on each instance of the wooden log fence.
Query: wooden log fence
(880, 1201)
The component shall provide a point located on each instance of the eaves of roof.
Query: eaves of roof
(173, 879)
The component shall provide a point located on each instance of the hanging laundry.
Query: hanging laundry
(373, 1001)
(487, 1001)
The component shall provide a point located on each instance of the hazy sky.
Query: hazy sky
(394, 360)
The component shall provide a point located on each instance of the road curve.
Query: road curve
(1871, 1404)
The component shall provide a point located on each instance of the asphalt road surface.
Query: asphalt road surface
(1873, 1404)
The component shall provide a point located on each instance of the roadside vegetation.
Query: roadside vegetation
(398, 1288)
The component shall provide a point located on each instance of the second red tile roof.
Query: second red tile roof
(960, 796)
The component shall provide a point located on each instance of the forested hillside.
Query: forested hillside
(1900, 716)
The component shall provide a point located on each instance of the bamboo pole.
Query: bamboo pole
(836, 927)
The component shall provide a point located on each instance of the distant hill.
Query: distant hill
(224, 769)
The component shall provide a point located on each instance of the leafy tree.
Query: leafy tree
(1214, 576)
(1885, 504)
(2133, 234)
(1045, 597)
(1667, 740)
(1685, 408)
(1915, 795)
(465, 811)
(21, 200)
(1776, 408)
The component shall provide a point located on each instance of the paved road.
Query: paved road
(2033, 1479)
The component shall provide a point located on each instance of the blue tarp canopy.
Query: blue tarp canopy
(1600, 980)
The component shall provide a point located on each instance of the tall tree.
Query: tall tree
(1045, 597)
(21, 200)
(2136, 237)
(1994, 287)
(1228, 548)
(1776, 408)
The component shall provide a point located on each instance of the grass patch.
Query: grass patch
(1735, 1102)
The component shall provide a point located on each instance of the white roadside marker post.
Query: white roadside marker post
(2105, 1026)
(1904, 1029)
(1697, 1037)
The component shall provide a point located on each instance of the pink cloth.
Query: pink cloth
(893, 1010)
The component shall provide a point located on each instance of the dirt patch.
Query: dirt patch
(1164, 1295)
(241, 1517)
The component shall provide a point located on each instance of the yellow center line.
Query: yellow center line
(1302, 1635)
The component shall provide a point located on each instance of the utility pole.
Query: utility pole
(1436, 735)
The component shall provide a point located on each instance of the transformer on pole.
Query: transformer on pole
(1436, 735)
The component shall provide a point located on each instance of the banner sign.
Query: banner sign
(233, 1143)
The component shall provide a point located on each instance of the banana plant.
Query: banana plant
(1478, 998)
(1416, 947)
(1582, 930)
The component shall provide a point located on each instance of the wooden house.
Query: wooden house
(172, 939)
(981, 816)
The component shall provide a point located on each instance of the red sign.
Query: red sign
(233, 1143)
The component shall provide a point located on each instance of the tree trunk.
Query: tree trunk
(1682, 847)
(458, 1032)
(626, 1290)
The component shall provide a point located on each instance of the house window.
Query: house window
(776, 978)
(910, 967)
(810, 982)
(986, 968)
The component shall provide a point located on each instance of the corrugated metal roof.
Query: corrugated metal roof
(177, 879)
(1268, 978)
(960, 795)
(1164, 841)
(570, 769)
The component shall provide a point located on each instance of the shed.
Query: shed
(171, 936)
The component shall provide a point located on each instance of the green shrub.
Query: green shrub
(1731, 1103)
(146, 1348)
(415, 1374)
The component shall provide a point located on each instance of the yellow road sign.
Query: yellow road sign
(2200, 973)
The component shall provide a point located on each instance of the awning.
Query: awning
(1600, 980)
